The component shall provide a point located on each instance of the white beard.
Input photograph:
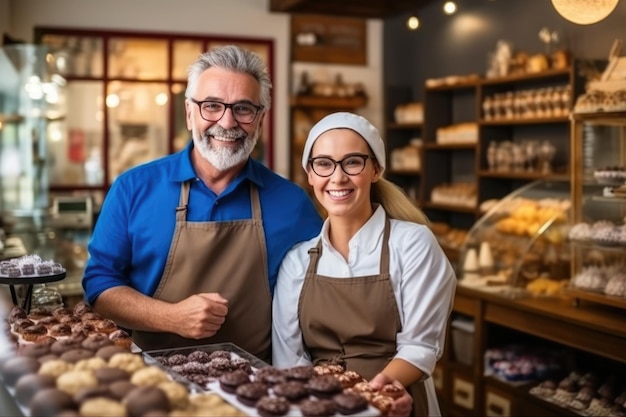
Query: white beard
(223, 158)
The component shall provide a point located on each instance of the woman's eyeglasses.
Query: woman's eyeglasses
(325, 167)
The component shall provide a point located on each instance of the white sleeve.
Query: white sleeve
(287, 346)
(427, 286)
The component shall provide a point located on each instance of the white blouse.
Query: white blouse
(423, 282)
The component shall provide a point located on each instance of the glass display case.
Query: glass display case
(598, 233)
(519, 246)
(32, 102)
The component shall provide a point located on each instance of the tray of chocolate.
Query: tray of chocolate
(30, 269)
(110, 381)
(203, 364)
(259, 389)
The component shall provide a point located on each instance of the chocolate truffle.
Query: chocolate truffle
(317, 408)
(292, 390)
(107, 352)
(229, 381)
(251, 392)
(33, 350)
(121, 388)
(143, 399)
(272, 406)
(87, 393)
(18, 366)
(350, 403)
(107, 375)
(50, 402)
(28, 385)
(300, 373)
(324, 386)
(75, 355)
(96, 341)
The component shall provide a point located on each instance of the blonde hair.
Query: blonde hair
(396, 203)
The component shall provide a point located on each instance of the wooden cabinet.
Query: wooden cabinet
(592, 338)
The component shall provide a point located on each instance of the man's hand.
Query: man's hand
(201, 315)
(403, 402)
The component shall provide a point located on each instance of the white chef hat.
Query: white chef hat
(345, 120)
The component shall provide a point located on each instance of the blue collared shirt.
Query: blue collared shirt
(133, 233)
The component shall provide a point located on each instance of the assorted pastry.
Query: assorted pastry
(29, 266)
(587, 394)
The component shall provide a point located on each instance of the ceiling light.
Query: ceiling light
(449, 7)
(413, 22)
(584, 12)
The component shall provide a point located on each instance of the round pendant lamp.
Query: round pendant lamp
(584, 12)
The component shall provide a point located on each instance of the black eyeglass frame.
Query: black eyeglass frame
(340, 163)
(226, 107)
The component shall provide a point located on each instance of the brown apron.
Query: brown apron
(227, 257)
(353, 321)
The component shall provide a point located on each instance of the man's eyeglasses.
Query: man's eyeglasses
(213, 111)
(352, 165)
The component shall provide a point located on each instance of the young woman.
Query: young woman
(374, 290)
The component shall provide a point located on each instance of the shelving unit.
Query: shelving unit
(593, 338)
(546, 123)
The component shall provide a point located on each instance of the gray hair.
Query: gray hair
(236, 59)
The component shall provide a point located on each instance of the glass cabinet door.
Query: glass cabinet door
(138, 124)
(599, 198)
(138, 58)
(75, 144)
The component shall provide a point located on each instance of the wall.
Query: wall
(4, 16)
(247, 18)
(460, 44)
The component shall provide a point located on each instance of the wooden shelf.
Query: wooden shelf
(533, 121)
(556, 176)
(610, 300)
(322, 102)
(528, 77)
(404, 126)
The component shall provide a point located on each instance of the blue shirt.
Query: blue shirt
(133, 233)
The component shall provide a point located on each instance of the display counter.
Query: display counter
(592, 335)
